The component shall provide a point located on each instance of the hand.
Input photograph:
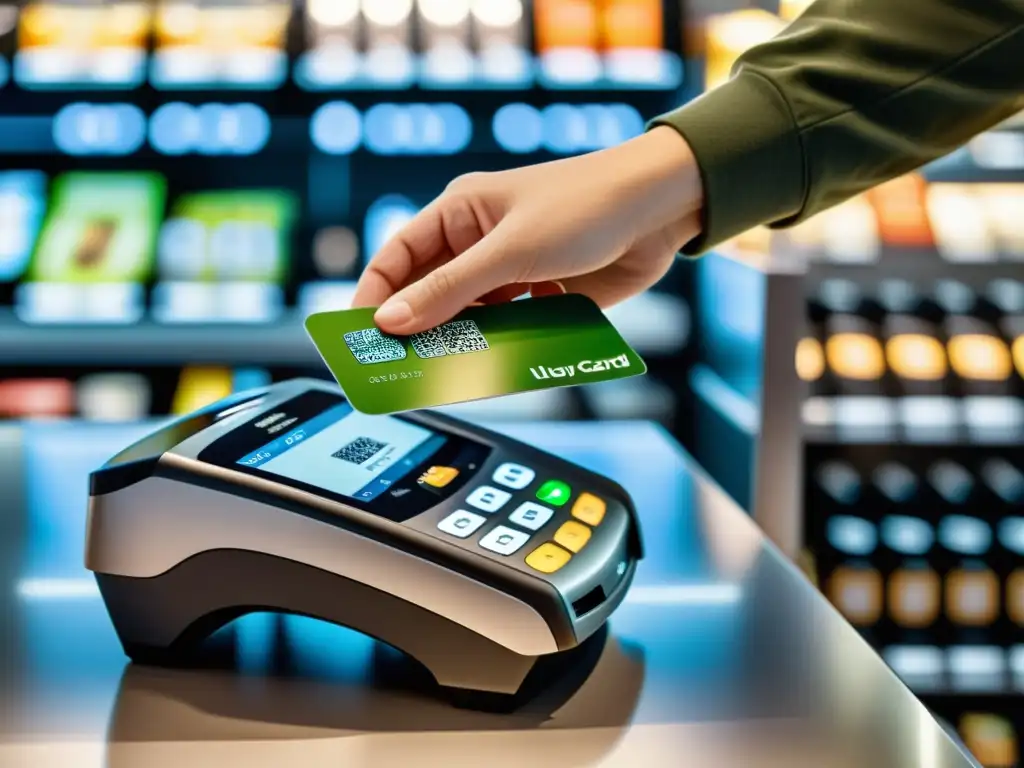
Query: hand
(606, 224)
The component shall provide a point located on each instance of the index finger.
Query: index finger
(419, 242)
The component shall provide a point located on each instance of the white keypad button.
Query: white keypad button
(504, 541)
(488, 499)
(530, 515)
(514, 476)
(461, 523)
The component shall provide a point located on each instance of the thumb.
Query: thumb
(444, 292)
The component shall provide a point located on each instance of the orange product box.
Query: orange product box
(902, 212)
(729, 35)
(857, 593)
(566, 24)
(632, 24)
(54, 25)
(231, 28)
(914, 597)
(990, 739)
(972, 597)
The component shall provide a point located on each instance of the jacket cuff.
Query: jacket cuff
(748, 148)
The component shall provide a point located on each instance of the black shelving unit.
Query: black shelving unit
(914, 487)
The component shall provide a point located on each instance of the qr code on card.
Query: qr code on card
(428, 344)
(371, 346)
(359, 450)
(458, 337)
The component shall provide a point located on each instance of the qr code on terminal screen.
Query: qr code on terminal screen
(372, 346)
(359, 450)
(455, 338)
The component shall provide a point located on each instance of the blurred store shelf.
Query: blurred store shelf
(654, 323)
(146, 342)
(982, 671)
(912, 421)
(919, 269)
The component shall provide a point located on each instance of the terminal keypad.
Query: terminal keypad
(522, 506)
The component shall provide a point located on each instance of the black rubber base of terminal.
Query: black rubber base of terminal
(164, 621)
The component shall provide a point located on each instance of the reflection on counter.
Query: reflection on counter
(302, 687)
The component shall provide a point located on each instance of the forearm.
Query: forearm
(658, 183)
(850, 95)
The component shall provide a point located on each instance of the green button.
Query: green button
(554, 492)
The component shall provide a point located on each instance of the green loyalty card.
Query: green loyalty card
(487, 351)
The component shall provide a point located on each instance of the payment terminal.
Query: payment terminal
(477, 555)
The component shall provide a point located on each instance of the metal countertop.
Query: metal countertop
(722, 655)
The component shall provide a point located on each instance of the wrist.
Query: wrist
(667, 184)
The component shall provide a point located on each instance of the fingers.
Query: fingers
(446, 228)
(449, 289)
(372, 290)
(419, 242)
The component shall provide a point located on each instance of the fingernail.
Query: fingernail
(393, 313)
(560, 284)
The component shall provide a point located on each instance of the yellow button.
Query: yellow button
(439, 477)
(573, 536)
(547, 558)
(589, 509)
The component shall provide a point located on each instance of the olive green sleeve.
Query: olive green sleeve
(851, 94)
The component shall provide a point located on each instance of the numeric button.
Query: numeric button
(488, 499)
(514, 476)
(461, 523)
(503, 540)
(531, 516)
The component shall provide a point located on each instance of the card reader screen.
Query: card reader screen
(344, 451)
(393, 466)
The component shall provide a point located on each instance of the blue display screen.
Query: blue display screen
(345, 452)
